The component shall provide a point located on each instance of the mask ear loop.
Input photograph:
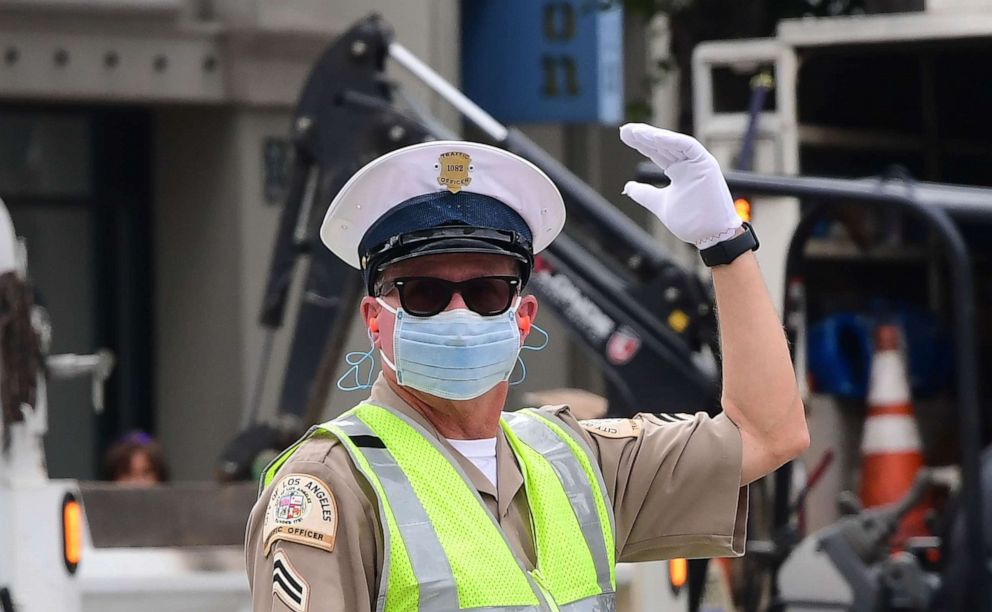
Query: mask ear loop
(523, 368)
(543, 345)
(355, 359)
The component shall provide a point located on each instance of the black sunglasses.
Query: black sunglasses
(426, 296)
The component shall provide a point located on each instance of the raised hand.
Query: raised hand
(697, 206)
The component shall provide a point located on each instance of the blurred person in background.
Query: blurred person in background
(136, 460)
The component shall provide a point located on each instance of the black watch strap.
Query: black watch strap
(727, 251)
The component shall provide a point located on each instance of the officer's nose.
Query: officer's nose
(456, 301)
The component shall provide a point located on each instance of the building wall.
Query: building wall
(213, 230)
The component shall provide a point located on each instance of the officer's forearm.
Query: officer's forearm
(759, 385)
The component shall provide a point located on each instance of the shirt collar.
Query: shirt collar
(384, 396)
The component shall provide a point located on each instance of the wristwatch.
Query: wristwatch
(727, 251)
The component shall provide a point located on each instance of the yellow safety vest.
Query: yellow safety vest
(443, 549)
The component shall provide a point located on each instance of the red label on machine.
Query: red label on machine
(622, 346)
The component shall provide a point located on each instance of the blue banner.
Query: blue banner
(537, 61)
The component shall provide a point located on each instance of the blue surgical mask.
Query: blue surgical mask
(456, 354)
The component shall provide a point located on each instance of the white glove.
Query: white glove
(697, 206)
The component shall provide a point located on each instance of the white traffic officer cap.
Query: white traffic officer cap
(445, 183)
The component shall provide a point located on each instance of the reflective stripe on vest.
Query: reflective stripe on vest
(427, 560)
(581, 482)
(445, 551)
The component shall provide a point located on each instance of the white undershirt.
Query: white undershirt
(482, 454)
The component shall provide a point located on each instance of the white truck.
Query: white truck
(75, 547)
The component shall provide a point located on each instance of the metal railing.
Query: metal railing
(933, 205)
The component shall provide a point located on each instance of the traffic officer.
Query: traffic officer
(427, 496)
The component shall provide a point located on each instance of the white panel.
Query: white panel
(164, 580)
(891, 27)
(960, 6)
(774, 221)
(31, 540)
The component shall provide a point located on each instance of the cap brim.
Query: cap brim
(448, 246)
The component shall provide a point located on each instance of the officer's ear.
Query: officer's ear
(370, 316)
(526, 313)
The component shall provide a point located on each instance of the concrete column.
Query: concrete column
(199, 301)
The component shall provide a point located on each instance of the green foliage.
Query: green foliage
(649, 8)
(637, 111)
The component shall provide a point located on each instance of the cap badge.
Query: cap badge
(455, 167)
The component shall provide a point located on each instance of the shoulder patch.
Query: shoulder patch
(613, 428)
(302, 509)
(288, 585)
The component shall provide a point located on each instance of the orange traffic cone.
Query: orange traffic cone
(890, 446)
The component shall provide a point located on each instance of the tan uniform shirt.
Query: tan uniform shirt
(674, 481)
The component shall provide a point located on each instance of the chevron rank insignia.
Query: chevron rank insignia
(674, 417)
(288, 585)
